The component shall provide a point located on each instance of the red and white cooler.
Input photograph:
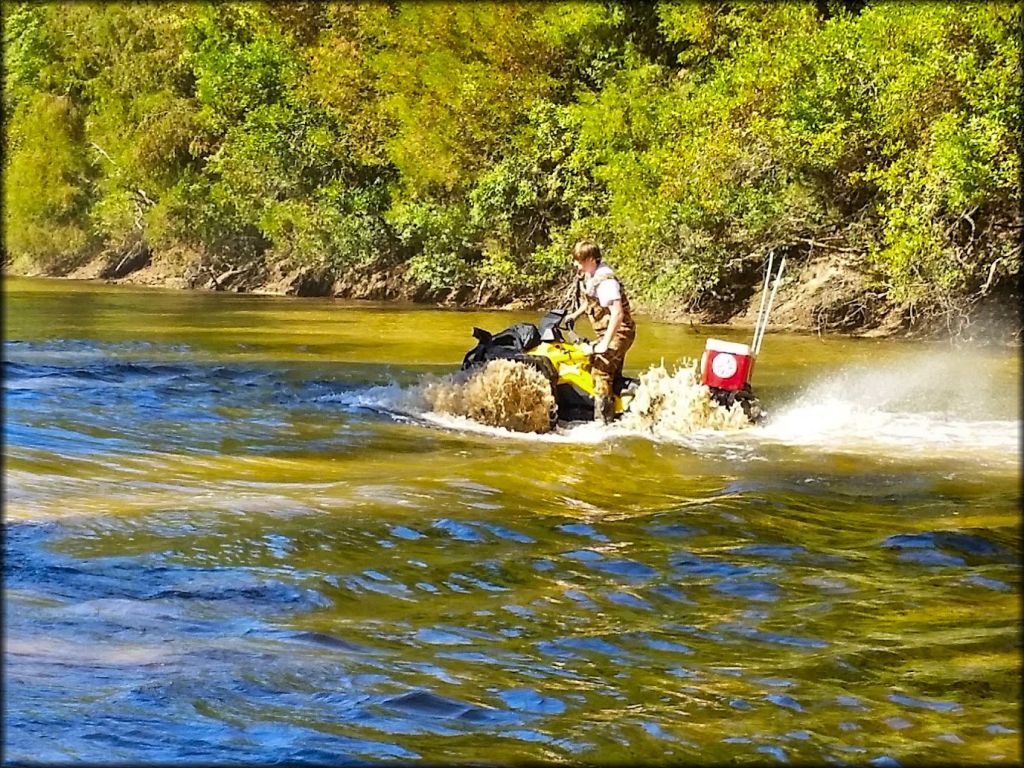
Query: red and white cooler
(726, 364)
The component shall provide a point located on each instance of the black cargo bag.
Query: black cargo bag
(508, 344)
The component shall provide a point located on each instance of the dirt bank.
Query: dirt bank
(821, 293)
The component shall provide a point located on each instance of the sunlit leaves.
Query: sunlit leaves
(456, 79)
(45, 183)
(475, 141)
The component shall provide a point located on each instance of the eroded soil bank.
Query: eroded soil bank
(821, 293)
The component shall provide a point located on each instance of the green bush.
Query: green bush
(45, 186)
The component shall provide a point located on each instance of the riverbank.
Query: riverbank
(820, 293)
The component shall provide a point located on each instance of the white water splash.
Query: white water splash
(676, 404)
(926, 403)
(505, 398)
(516, 398)
(502, 394)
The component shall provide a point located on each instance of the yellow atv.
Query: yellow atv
(555, 351)
(564, 359)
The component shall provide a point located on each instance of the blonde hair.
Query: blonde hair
(585, 250)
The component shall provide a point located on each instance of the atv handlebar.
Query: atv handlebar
(554, 322)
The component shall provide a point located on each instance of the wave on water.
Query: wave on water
(505, 398)
(923, 403)
(951, 404)
(916, 405)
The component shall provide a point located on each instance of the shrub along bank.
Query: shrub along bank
(461, 148)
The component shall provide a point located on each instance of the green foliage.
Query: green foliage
(474, 142)
(949, 163)
(44, 201)
(27, 51)
(241, 62)
(456, 79)
(441, 239)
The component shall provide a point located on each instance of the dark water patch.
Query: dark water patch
(435, 636)
(583, 555)
(109, 406)
(660, 644)
(582, 599)
(999, 728)
(850, 701)
(689, 564)
(916, 703)
(785, 701)
(668, 592)
(582, 529)
(885, 761)
(266, 595)
(897, 723)
(975, 548)
(70, 579)
(358, 585)
(124, 381)
(987, 583)
(427, 704)
(330, 641)
(531, 701)
(22, 537)
(775, 638)
(417, 670)
(774, 682)
(669, 530)
(584, 647)
(479, 583)
(770, 749)
(744, 486)
(508, 534)
(751, 589)
(519, 610)
(700, 632)
(406, 533)
(618, 597)
(80, 441)
(772, 551)
(489, 718)
(931, 557)
(629, 570)
(457, 531)
(472, 656)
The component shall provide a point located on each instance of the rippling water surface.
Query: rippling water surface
(227, 537)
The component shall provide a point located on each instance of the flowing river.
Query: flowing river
(229, 538)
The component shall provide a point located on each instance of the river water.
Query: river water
(228, 538)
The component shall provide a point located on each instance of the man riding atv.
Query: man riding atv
(587, 382)
(606, 305)
(560, 356)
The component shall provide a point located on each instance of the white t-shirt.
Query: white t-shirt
(606, 291)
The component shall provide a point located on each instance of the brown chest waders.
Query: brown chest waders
(606, 366)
